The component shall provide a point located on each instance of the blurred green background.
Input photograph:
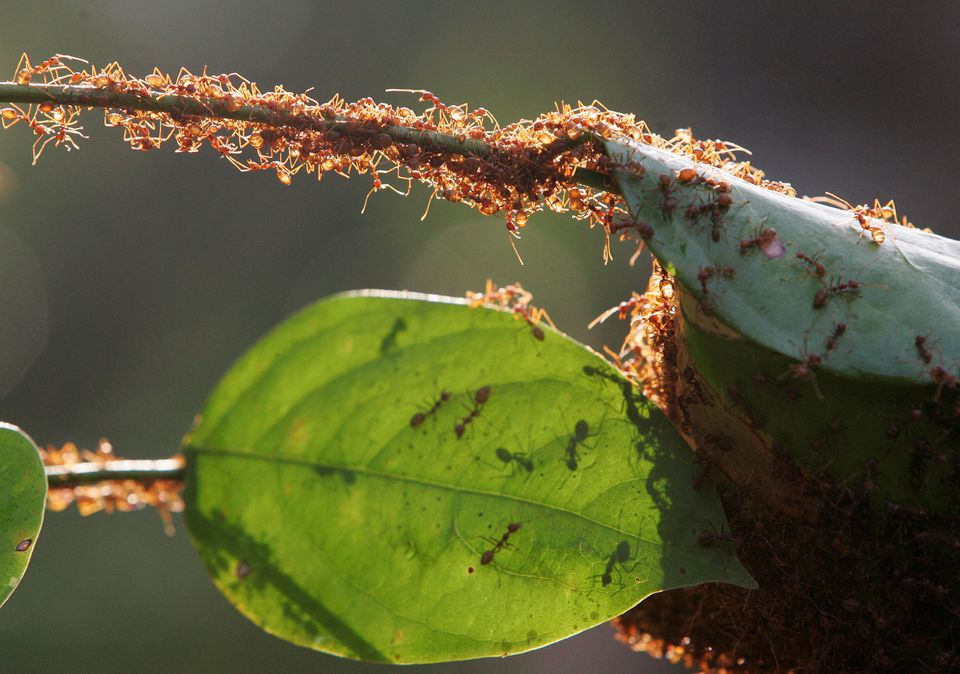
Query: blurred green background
(129, 282)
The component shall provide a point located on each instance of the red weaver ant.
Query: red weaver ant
(817, 268)
(838, 331)
(480, 399)
(622, 310)
(418, 418)
(824, 294)
(498, 545)
(767, 242)
(921, 343)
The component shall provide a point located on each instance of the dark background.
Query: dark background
(129, 282)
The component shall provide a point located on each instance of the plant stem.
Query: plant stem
(71, 475)
(91, 97)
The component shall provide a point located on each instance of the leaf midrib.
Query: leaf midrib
(383, 475)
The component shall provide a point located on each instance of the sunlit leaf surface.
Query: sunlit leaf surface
(403, 478)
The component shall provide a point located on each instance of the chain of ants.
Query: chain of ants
(110, 495)
(527, 166)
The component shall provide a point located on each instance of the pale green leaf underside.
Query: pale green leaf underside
(910, 285)
(331, 521)
(23, 494)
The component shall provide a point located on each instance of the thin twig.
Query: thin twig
(91, 472)
(198, 106)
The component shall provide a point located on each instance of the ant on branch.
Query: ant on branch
(52, 66)
(498, 545)
(623, 310)
(418, 418)
(480, 399)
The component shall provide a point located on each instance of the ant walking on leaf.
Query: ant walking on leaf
(480, 399)
(498, 545)
(417, 419)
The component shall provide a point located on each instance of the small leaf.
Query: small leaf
(23, 494)
(352, 477)
(907, 287)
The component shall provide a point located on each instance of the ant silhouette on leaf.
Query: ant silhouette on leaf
(516, 460)
(581, 431)
(616, 565)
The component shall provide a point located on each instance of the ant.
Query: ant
(838, 331)
(715, 207)
(26, 71)
(803, 370)
(690, 176)
(418, 418)
(581, 431)
(517, 458)
(666, 185)
(862, 213)
(533, 317)
(513, 296)
(480, 399)
(642, 228)
(622, 310)
(921, 343)
(767, 242)
(817, 268)
(824, 294)
(941, 377)
(704, 276)
(487, 556)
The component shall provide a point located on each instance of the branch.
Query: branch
(86, 96)
(91, 472)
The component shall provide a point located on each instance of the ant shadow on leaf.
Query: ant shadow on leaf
(615, 564)
(389, 340)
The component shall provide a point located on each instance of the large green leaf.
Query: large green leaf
(334, 516)
(23, 495)
(909, 286)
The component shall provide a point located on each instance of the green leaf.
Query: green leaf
(333, 516)
(909, 285)
(23, 495)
